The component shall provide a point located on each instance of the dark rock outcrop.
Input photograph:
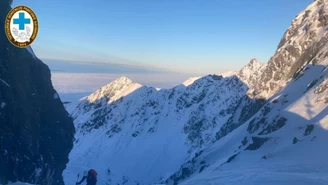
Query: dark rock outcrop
(36, 133)
(257, 143)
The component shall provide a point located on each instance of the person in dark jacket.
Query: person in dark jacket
(91, 177)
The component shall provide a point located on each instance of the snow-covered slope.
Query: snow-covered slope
(285, 141)
(190, 81)
(266, 124)
(136, 129)
(229, 73)
(113, 91)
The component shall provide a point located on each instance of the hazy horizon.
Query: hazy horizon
(74, 80)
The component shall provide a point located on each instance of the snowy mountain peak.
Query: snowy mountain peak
(122, 80)
(190, 81)
(229, 73)
(252, 66)
(250, 73)
(114, 90)
(179, 119)
(255, 62)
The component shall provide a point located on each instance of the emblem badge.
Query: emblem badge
(21, 26)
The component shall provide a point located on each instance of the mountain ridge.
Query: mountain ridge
(214, 124)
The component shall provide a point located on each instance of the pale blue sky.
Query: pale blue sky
(195, 36)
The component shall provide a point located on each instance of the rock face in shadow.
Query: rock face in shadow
(36, 133)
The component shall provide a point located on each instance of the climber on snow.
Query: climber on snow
(90, 176)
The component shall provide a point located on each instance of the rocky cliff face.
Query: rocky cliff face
(300, 44)
(36, 133)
